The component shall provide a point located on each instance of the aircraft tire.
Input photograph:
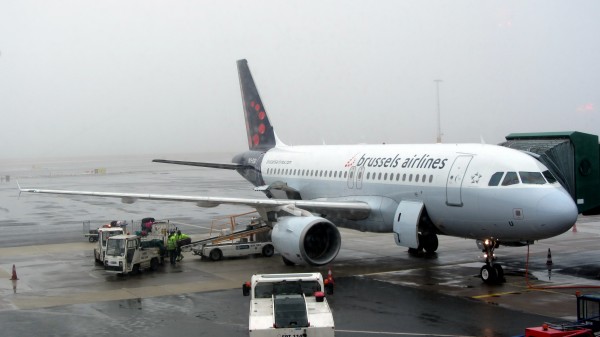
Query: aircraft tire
(488, 274)
(215, 254)
(499, 272)
(287, 262)
(430, 243)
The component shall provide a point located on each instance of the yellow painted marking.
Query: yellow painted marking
(496, 294)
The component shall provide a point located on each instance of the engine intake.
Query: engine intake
(306, 240)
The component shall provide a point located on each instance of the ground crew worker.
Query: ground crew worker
(179, 236)
(172, 248)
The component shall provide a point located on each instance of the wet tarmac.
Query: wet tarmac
(380, 288)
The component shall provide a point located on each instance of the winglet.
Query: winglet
(20, 190)
(259, 130)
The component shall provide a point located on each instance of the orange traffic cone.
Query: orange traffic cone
(14, 274)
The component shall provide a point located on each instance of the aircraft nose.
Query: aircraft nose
(557, 212)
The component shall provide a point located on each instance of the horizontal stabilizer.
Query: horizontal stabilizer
(194, 163)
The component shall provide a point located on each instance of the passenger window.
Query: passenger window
(397, 176)
(417, 178)
(495, 179)
(551, 179)
(379, 177)
(404, 177)
(368, 175)
(424, 176)
(410, 177)
(345, 174)
(535, 178)
(360, 175)
(431, 178)
(511, 178)
(385, 176)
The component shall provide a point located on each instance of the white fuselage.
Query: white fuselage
(452, 181)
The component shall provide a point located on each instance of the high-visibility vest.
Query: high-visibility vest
(171, 243)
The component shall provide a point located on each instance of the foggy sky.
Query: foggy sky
(159, 77)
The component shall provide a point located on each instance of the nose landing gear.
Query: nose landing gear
(490, 272)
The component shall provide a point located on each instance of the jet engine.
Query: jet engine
(306, 240)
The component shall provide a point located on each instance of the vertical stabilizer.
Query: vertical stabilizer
(260, 132)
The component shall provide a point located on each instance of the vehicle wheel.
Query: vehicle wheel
(268, 250)
(288, 262)
(135, 269)
(154, 264)
(488, 274)
(98, 261)
(499, 272)
(215, 254)
(92, 239)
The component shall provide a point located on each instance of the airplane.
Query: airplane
(489, 193)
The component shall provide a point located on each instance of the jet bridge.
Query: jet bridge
(574, 159)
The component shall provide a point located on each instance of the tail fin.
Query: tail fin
(260, 132)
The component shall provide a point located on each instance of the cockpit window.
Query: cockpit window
(495, 179)
(510, 178)
(551, 179)
(532, 178)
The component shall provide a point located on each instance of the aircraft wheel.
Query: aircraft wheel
(430, 243)
(488, 274)
(287, 262)
(499, 272)
(268, 250)
(215, 254)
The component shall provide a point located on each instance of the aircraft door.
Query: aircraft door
(359, 177)
(351, 177)
(406, 223)
(455, 180)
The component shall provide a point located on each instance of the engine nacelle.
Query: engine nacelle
(306, 240)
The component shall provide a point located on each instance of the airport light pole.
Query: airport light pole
(439, 121)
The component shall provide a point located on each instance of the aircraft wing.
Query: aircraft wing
(354, 210)
(201, 164)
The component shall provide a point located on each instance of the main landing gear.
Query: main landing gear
(490, 272)
(427, 242)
